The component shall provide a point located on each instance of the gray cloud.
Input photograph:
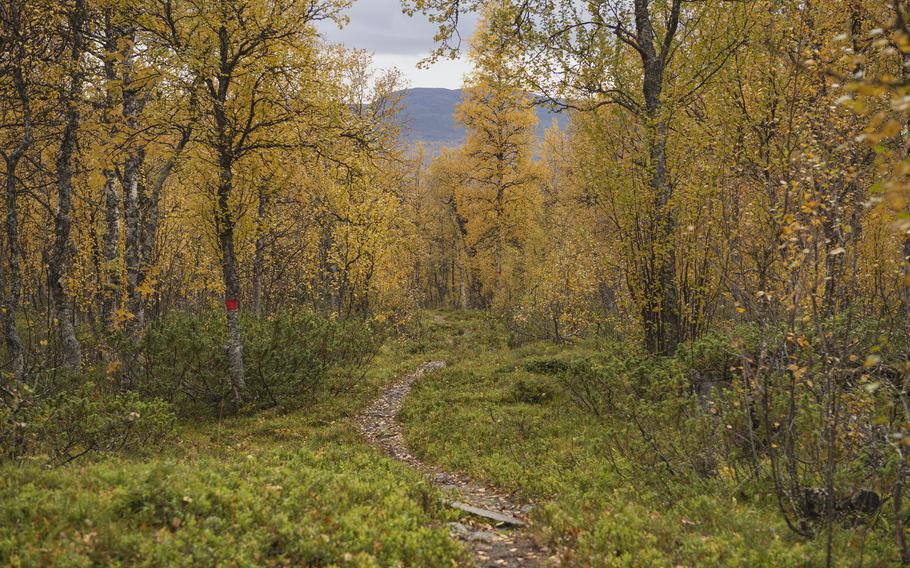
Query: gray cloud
(380, 26)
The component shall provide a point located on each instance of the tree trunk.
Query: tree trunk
(463, 300)
(230, 276)
(150, 214)
(13, 289)
(661, 313)
(132, 239)
(134, 100)
(110, 276)
(111, 248)
(61, 253)
(224, 217)
(259, 257)
(135, 325)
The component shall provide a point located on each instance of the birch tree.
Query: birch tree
(638, 55)
(245, 61)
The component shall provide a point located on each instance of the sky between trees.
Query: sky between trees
(380, 26)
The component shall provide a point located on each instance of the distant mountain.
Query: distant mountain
(428, 116)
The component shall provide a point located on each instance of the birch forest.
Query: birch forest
(647, 305)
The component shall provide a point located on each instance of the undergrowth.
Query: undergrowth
(289, 486)
(559, 425)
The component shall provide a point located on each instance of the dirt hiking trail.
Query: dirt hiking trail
(495, 532)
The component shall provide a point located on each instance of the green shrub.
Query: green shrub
(546, 366)
(592, 386)
(307, 506)
(17, 436)
(288, 358)
(597, 383)
(528, 389)
(183, 360)
(73, 424)
(292, 355)
(709, 358)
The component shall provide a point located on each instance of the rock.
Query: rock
(482, 536)
(487, 514)
(460, 530)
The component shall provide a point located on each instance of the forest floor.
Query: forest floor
(368, 476)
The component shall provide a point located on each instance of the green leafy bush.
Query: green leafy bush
(73, 424)
(288, 358)
(17, 435)
(183, 360)
(709, 358)
(546, 366)
(529, 389)
(292, 355)
(74, 421)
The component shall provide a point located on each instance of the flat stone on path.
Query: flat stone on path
(487, 514)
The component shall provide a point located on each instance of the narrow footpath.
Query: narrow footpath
(494, 530)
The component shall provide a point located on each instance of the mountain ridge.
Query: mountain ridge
(428, 117)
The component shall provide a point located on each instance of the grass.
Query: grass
(300, 487)
(487, 415)
(275, 489)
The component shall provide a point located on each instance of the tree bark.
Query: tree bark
(224, 216)
(149, 210)
(132, 239)
(660, 305)
(61, 254)
(259, 256)
(230, 276)
(13, 289)
(110, 288)
(111, 248)
(134, 100)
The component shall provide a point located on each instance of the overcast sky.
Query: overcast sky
(398, 41)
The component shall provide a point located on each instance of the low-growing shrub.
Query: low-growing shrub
(16, 411)
(268, 506)
(73, 424)
(709, 358)
(592, 386)
(546, 366)
(289, 357)
(60, 415)
(179, 366)
(529, 389)
(182, 360)
(597, 383)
